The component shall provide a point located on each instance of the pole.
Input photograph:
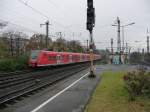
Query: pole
(11, 45)
(111, 56)
(147, 44)
(143, 54)
(73, 35)
(126, 47)
(147, 41)
(87, 44)
(112, 46)
(119, 40)
(60, 35)
(91, 55)
(18, 46)
(123, 39)
(47, 32)
(143, 51)
(127, 52)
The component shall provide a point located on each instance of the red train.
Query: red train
(40, 58)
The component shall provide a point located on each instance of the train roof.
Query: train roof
(54, 52)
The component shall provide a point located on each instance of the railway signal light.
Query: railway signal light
(90, 15)
(90, 3)
(90, 18)
(89, 26)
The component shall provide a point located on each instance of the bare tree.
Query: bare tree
(37, 41)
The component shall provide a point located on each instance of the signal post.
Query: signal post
(89, 26)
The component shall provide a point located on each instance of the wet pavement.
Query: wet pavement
(57, 98)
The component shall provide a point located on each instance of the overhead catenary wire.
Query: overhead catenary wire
(58, 8)
(34, 19)
(25, 29)
(22, 27)
(53, 3)
(21, 17)
(40, 13)
(44, 15)
(24, 2)
(35, 10)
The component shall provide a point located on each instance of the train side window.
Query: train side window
(73, 57)
(78, 57)
(67, 57)
(51, 58)
(60, 57)
(64, 57)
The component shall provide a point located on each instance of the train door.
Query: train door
(58, 59)
(70, 58)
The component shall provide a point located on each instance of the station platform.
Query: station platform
(73, 99)
(69, 95)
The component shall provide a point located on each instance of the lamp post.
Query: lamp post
(123, 26)
(123, 33)
(47, 33)
(119, 40)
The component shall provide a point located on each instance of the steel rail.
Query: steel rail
(26, 86)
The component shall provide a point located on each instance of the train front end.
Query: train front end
(33, 60)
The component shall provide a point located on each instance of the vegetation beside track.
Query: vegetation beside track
(111, 96)
(137, 83)
(14, 64)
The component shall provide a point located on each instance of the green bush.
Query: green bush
(6, 65)
(14, 64)
(137, 83)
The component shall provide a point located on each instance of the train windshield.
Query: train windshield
(34, 54)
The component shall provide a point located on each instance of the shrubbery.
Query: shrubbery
(137, 83)
(14, 64)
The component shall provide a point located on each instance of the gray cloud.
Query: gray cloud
(70, 16)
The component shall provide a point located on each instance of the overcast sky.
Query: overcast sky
(69, 16)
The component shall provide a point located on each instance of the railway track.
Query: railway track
(14, 86)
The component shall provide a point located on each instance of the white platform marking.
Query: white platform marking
(56, 95)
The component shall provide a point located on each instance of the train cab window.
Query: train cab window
(34, 54)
